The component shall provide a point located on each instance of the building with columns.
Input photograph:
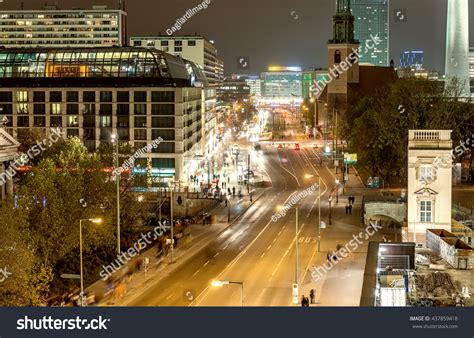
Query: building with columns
(8, 149)
(429, 182)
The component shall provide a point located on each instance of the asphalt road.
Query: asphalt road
(255, 250)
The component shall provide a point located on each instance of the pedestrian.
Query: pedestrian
(233, 191)
(350, 209)
(347, 209)
(303, 301)
(349, 199)
(228, 190)
(228, 179)
(226, 202)
(311, 296)
(306, 301)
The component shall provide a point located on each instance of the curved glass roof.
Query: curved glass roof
(123, 62)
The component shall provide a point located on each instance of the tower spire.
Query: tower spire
(343, 23)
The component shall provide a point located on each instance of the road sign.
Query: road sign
(70, 276)
(350, 158)
(295, 293)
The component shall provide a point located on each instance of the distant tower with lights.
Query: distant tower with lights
(457, 44)
(339, 48)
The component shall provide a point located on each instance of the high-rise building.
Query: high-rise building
(371, 19)
(193, 48)
(457, 45)
(255, 84)
(54, 27)
(471, 68)
(309, 78)
(412, 59)
(138, 94)
(282, 83)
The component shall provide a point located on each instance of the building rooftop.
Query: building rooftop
(96, 63)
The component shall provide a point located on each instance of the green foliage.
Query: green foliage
(67, 185)
(377, 126)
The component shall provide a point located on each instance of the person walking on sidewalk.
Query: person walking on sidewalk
(350, 209)
(311, 296)
(233, 191)
(347, 209)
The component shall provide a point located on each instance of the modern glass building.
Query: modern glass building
(372, 18)
(412, 59)
(311, 77)
(282, 83)
(138, 94)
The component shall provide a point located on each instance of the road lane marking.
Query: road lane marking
(216, 254)
(198, 299)
(205, 264)
(269, 247)
(169, 296)
(194, 274)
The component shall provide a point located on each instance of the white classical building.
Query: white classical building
(8, 149)
(429, 182)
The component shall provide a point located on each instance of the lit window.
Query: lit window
(22, 96)
(425, 211)
(22, 108)
(56, 108)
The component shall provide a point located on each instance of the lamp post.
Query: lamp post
(228, 208)
(337, 191)
(93, 220)
(316, 116)
(319, 213)
(219, 283)
(330, 200)
(248, 172)
(117, 182)
(172, 221)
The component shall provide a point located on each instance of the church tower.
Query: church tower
(343, 65)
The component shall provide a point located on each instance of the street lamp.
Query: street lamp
(316, 115)
(330, 200)
(172, 185)
(117, 182)
(93, 220)
(219, 283)
(228, 208)
(337, 191)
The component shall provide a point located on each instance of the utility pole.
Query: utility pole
(248, 172)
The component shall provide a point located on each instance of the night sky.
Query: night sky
(281, 32)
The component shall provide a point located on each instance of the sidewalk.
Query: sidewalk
(334, 282)
(201, 236)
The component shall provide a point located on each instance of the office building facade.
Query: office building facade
(283, 83)
(412, 59)
(53, 27)
(135, 93)
(372, 18)
(193, 48)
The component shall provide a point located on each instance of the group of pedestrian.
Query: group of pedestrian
(351, 200)
(305, 301)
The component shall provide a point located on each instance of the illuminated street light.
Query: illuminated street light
(219, 283)
(92, 220)
(114, 138)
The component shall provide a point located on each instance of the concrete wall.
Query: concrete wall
(396, 211)
(450, 248)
